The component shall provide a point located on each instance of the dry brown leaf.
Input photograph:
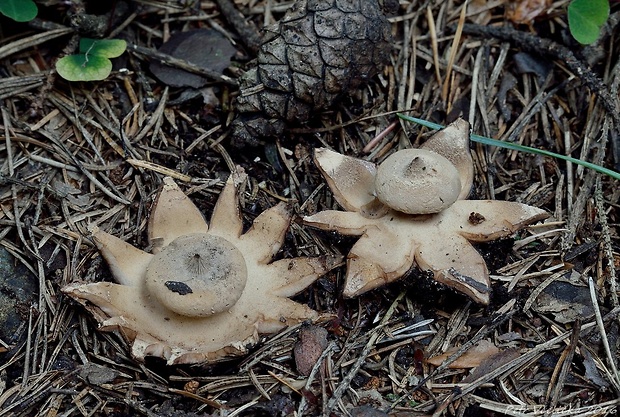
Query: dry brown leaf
(470, 359)
(312, 342)
(525, 11)
(203, 47)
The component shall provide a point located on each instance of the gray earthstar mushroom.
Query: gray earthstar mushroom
(411, 210)
(207, 291)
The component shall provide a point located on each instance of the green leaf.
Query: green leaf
(516, 147)
(19, 10)
(108, 48)
(93, 63)
(84, 67)
(585, 18)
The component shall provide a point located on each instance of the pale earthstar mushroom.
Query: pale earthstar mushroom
(411, 210)
(206, 292)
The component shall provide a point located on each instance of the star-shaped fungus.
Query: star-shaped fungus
(205, 292)
(411, 209)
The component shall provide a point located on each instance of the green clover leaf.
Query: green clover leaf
(19, 10)
(108, 48)
(585, 18)
(92, 63)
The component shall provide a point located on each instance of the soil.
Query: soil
(81, 153)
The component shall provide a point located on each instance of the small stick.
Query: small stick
(543, 46)
(181, 63)
(614, 376)
(375, 141)
(248, 33)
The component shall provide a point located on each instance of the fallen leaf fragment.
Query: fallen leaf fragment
(205, 48)
(312, 342)
(470, 359)
(525, 11)
(367, 411)
(566, 301)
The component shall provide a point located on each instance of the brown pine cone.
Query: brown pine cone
(319, 51)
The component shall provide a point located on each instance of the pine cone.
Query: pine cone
(319, 51)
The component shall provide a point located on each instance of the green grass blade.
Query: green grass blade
(517, 147)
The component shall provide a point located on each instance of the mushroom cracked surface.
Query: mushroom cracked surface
(411, 209)
(206, 292)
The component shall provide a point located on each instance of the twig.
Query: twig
(582, 70)
(31, 41)
(181, 64)
(526, 358)
(247, 33)
(558, 378)
(543, 46)
(346, 381)
(527, 410)
(453, 50)
(607, 245)
(503, 314)
(115, 196)
(614, 377)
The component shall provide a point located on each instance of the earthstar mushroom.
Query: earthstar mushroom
(400, 226)
(197, 275)
(206, 292)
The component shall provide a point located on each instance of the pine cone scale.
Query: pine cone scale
(329, 24)
(348, 6)
(305, 60)
(299, 32)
